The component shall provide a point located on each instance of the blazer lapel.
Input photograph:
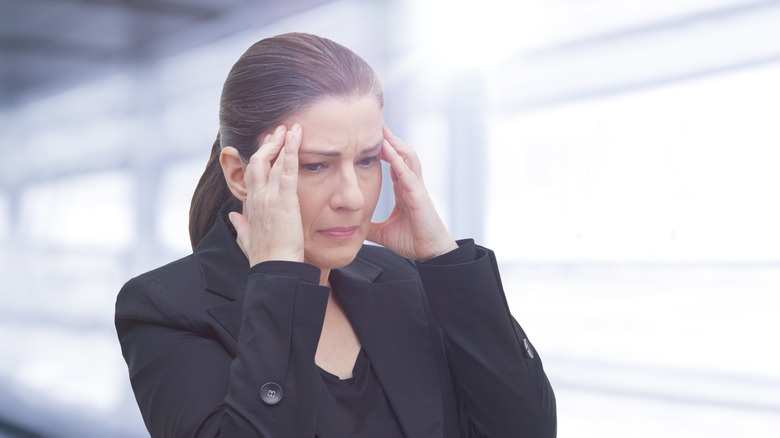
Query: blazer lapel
(390, 321)
(228, 316)
(224, 268)
(222, 263)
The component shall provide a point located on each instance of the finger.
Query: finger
(241, 225)
(270, 145)
(283, 175)
(271, 141)
(403, 149)
(375, 232)
(404, 180)
(399, 169)
(384, 154)
(288, 179)
(275, 173)
(277, 140)
(266, 155)
(388, 134)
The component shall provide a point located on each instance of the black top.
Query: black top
(356, 407)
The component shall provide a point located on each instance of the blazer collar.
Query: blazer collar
(223, 264)
(359, 271)
(225, 267)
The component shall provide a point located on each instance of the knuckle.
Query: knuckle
(255, 158)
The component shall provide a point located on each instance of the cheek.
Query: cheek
(372, 187)
(308, 197)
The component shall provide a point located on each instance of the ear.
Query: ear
(233, 169)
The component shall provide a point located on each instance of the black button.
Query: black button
(271, 393)
(528, 350)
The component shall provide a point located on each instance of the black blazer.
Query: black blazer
(204, 337)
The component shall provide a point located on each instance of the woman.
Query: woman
(282, 323)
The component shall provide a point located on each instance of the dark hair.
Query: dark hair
(272, 81)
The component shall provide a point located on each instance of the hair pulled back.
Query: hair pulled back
(275, 79)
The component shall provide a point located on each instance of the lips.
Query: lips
(339, 232)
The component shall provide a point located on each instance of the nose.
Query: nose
(347, 193)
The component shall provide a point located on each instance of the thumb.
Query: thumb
(375, 233)
(242, 229)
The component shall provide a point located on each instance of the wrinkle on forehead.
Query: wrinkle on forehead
(330, 126)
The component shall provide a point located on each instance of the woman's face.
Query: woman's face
(339, 177)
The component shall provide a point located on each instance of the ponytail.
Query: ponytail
(210, 194)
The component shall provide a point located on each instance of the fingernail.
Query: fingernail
(296, 128)
(279, 129)
(266, 138)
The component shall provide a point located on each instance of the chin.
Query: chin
(335, 258)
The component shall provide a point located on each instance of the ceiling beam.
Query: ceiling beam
(658, 54)
(158, 7)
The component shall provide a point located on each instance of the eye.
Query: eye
(313, 167)
(368, 161)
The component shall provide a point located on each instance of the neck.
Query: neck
(324, 274)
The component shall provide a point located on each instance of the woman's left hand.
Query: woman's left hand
(414, 228)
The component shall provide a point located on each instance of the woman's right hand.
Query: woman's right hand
(270, 227)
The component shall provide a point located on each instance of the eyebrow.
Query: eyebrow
(338, 154)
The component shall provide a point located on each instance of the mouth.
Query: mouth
(339, 233)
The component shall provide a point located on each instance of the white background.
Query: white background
(630, 187)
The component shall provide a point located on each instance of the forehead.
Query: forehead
(340, 122)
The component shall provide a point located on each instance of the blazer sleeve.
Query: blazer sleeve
(498, 374)
(188, 384)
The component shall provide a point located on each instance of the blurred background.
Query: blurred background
(621, 158)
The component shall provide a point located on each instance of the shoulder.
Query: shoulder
(155, 295)
(173, 276)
